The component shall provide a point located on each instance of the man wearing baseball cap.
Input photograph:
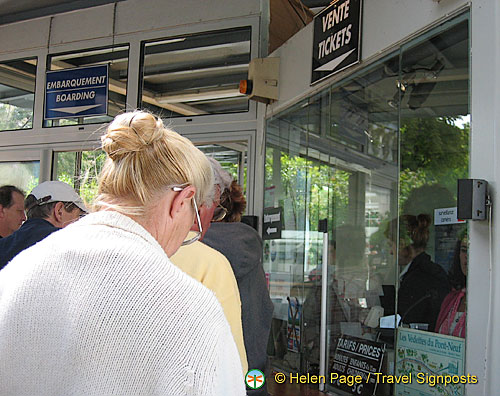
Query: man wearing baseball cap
(51, 205)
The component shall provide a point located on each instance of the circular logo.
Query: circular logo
(255, 379)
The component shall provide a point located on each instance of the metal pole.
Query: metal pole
(324, 294)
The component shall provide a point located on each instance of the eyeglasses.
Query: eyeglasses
(198, 233)
(219, 213)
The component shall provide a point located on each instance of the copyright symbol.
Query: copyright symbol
(280, 378)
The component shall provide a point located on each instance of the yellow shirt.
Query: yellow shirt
(213, 270)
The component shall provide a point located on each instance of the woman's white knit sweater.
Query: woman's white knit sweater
(97, 309)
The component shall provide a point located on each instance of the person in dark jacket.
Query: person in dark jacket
(423, 283)
(242, 246)
(51, 205)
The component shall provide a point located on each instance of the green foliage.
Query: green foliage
(409, 180)
(268, 174)
(23, 175)
(434, 144)
(13, 117)
(91, 165)
(309, 188)
(433, 150)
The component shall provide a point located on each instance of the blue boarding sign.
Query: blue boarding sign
(76, 92)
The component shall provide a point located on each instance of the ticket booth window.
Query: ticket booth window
(377, 155)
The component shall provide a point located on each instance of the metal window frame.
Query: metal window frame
(39, 134)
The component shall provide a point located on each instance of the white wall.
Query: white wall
(483, 320)
(131, 16)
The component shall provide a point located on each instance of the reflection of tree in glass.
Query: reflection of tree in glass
(269, 167)
(306, 182)
(91, 165)
(66, 167)
(23, 175)
(433, 150)
(13, 117)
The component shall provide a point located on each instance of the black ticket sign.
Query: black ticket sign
(337, 38)
(356, 357)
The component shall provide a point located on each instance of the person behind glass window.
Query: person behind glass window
(51, 205)
(452, 317)
(11, 210)
(423, 283)
(242, 245)
(98, 308)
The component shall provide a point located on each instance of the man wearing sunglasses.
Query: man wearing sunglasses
(51, 205)
(210, 267)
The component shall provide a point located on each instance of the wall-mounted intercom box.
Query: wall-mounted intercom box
(262, 82)
(472, 199)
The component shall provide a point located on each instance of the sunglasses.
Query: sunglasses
(198, 233)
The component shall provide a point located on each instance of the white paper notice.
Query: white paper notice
(387, 322)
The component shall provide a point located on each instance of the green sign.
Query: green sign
(435, 364)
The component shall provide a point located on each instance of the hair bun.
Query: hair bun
(131, 133)
(424, 220)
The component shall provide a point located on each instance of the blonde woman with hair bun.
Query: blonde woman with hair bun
(98, 308)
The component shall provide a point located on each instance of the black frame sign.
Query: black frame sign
(356, 357)
(337, 38)
(272, 224)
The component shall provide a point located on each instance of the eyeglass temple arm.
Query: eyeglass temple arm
(178, 189)
(197, 215)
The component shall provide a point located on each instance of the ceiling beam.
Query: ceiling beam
(15, 10)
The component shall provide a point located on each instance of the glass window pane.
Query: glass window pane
(285, 188)
(362, 111)
(196, 74)
(374, 155)
(23, 175)
(232, 157)
(117, 60)
(80, 169)
(435, 134)
(17, 94)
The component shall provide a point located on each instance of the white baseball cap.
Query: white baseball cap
(57, 191)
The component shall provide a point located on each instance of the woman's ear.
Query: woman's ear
(181, 200)
(58, 212)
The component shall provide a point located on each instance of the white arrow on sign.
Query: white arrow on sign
(271, 230)
(74, 110)
(334, 63)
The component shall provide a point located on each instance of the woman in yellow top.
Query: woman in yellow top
(212, 268)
